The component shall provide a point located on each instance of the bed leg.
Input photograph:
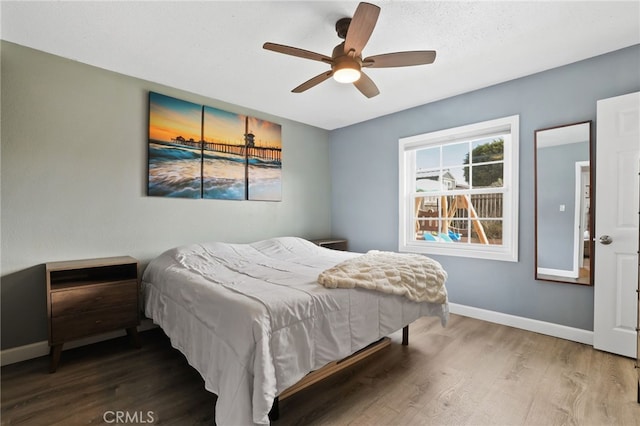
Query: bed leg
(405, 335)
(274, 414)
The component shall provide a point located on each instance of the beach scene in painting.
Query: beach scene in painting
(203, 152)
(264, 150)
(175, 157)
(241, 157)
(224, 161)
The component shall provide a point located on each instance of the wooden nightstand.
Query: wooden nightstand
(332, 243)
(89, 297)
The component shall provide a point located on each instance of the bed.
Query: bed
(253, 320)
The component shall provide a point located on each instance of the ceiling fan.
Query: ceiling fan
(346, 60)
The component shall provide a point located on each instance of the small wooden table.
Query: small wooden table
(89, 297)
(332, 243)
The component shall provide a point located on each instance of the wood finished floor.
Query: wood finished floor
(469, 373)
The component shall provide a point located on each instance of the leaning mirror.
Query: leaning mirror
(563, 218)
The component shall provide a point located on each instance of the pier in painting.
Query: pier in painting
(265, 153)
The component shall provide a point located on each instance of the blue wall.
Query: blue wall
(364, 169)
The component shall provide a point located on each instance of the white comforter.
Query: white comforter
(252, 320)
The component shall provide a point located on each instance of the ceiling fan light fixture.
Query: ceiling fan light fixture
(346, 71)
(346, 75)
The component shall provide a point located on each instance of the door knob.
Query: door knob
(606, 240)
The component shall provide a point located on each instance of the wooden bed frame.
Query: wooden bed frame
(333, 368)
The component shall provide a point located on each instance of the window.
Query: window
(459, 191)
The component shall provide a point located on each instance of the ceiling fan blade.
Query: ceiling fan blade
(294, 51)
(361, 26)
(400, 59)
(366, 86)
(313, 82)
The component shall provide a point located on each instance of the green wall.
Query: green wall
(74, 176)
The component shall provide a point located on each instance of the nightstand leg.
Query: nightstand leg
(54, 353)
(132, 332)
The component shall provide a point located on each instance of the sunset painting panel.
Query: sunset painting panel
(224, 161)
(175, 153)
(264, 158)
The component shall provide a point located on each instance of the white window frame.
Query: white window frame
(408, 146)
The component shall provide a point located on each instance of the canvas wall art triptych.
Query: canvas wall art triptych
(196, 151)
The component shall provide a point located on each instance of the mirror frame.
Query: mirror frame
(591, 222)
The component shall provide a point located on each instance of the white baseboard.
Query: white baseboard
(559, 272)
(35, 350)
(38, 349)
(550, 329)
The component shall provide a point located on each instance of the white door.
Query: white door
(616, 227)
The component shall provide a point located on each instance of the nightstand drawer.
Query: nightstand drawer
(83, 299)
(68, 327)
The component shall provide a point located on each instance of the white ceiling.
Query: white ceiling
(214, 48)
